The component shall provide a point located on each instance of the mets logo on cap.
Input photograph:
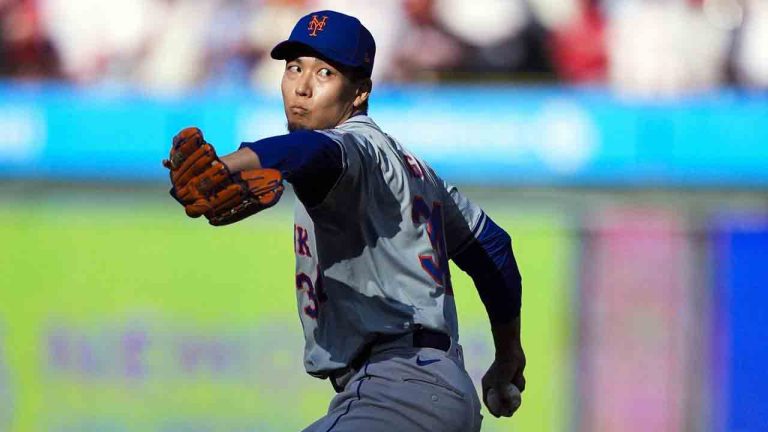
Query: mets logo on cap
(316, 25)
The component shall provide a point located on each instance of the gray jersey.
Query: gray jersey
(372, 258)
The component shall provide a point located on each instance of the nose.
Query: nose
(303, 86)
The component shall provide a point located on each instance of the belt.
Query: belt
(419, 338)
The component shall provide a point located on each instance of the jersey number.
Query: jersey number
(436, 264)
(314, 292)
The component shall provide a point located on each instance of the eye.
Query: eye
(293, 68)
(325, 72)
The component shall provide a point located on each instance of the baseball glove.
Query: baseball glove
(204, 185)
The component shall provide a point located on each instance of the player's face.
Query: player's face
(316, 95)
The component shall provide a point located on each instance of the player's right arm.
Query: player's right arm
(482, 249)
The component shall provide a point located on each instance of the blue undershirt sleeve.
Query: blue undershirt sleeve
(489, 260)
(312, 162)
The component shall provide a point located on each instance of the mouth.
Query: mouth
(298, 111)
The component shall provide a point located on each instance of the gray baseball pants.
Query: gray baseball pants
(405, 389)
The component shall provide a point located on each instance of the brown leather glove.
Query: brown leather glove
(204, 185)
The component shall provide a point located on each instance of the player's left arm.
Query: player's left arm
(242, 160)
(311, 161)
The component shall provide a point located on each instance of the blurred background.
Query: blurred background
(622, 143)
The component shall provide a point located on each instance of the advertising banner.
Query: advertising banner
(635, 313)
(481, 135)
(740, 345)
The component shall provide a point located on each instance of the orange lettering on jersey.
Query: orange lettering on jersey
(301, 241)
(316, 25)
(414, 167)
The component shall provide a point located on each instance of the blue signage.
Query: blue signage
(481, 135)
(739, 322)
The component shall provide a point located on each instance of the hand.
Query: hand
(204, 184)
(507, 368)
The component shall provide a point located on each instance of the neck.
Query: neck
(349, 114)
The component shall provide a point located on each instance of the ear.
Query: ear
(362, 93)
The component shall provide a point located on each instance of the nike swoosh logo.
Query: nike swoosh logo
(421, 362)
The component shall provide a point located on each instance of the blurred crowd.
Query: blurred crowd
(644, 47)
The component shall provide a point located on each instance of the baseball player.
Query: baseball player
(374, 230)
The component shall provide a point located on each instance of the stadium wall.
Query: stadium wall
(637, 306)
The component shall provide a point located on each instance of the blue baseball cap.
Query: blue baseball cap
(334, 36)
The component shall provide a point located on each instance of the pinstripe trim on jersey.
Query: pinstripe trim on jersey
(349, 405)
(479, 227)
(491, 264)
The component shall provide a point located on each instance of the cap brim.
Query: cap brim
(287, 49)
(291, 49)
